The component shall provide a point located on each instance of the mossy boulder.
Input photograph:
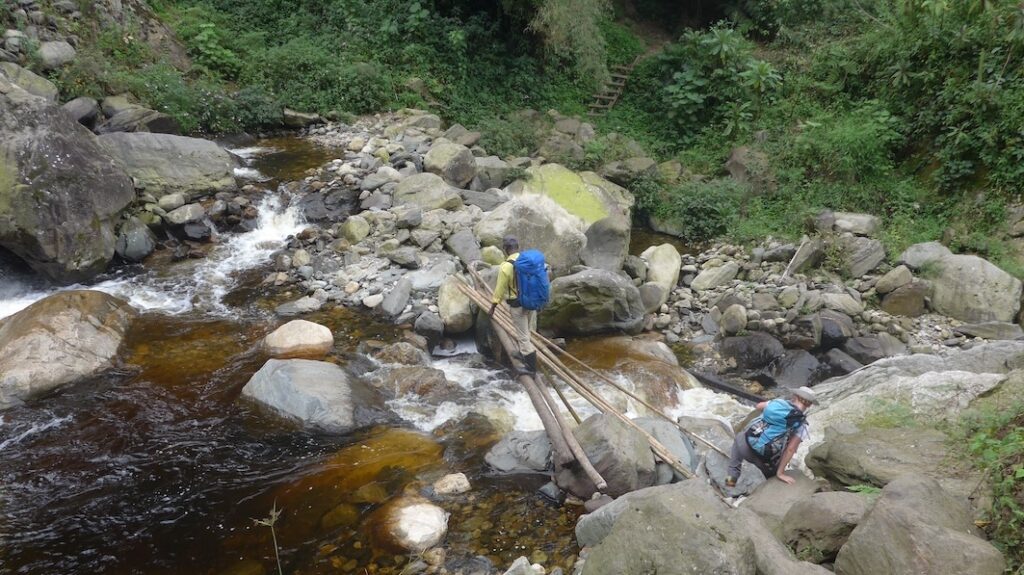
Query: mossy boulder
(586, 195)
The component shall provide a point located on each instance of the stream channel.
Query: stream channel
(157, 467)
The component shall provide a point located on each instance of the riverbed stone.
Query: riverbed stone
(521, 452)
(710, 278)
(607, 243)
(464, 245)
(187, 214)
(491, 172)
(856, 223)
(409, 523)
(452, 484)
(593, 301)
(753, 351)
(992, 330)
(299, 339)
(734, 320)
(165, 163)
(861, 255)
(317, 393)
(427, 191)
(355, 229)
(971, 289)
(895, 278)
(918, 256)
(619, 453)
(916, 527)
(397, 298)
(300, 306)
(452, 162)
(135, 240)
(60, 340)
(663, 264)
(455, 308)
(907, 300)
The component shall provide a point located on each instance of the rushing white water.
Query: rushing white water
(33, 430)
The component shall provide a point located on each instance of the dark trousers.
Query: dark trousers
(741, 451)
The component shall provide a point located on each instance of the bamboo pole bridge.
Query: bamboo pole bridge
(566, 450)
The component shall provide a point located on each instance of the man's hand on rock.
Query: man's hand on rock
(785, 478)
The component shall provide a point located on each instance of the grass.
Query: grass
(270, 521)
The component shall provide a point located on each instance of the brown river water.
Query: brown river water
(157, 468)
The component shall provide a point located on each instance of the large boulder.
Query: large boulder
(625, 172)
(586, 196)
(773, 499)
(971, 289)
(752, 352)
(593, 301)
(54, 54)
(491, 172)
(59, 340)
(663, 266)
(453, 162)
(29, 82)
(920, 255)
(538, 223)
(316, 393)
(675, 529)
(619, 453)
(857, 224)
(139, 119)
(164, 164)
(607, 243)
(58, 216)
(916, 527)
(816, 527)
(299, 338)
(427, 191)
(861, 255)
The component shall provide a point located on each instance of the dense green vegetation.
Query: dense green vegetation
(911, 109)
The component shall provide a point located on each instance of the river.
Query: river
(157, 468)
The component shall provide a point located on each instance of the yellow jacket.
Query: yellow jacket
(506, 287)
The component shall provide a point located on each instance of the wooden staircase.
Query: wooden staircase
(612, 89)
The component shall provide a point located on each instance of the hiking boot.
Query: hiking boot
(530, 360)
(730, 482)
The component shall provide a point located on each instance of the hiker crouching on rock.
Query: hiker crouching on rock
(770, 441)
(523, 281)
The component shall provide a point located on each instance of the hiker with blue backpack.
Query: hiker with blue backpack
(771, 439)
(523, 282)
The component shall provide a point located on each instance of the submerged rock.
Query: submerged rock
(59, 340)
(410, 524)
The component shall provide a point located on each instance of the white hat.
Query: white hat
(807, 394)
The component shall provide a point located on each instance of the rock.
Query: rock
(492, 255)
(663, 265)
(918, 255)
(716, 467)
(430, 326)
(402, 353)
(816, 527)
(452, 484)
(538, 223)
(455, 308)
(460, 135)
(372, 301)
(586, 196)
(781, 254)
(842, 302)
(453, 162)
(492, 172)
(29, 82)
(857, 224)
(593, 301)
(53, 55)
(135, 240)
(808, 256)
(752, 352)
(750, 166)
(300, 306)
(297, 120)
(114, 105)
(464, 245)
(907, 300)
(426, 384)
(139, 119)
(992, 330)
(69, 237)
(916, 527)
(677, 528)
(299, 339)
(711, 278)
(171, 202)
(651, 295)
(329, 204)
(487, 201)
(164, 163)
(677, 443)
(59, 340)
(619, 453)
(355, 229)
(864, 349)
(840, 363)
(186, 214)
(316, 393)
(433, 274)
(521, 452)
(521, 566)
(895, 278)
(410, 523)
(397, 297)
(971, 289)
(427, 191)
(635, 267)
(408, 217)
(835, 329)
(795, 368)
(734, 320)
(773, 499)
(405, 257)
(83, 110)
(608, 244)
(625, 172)
(561, 148)
(861, 255)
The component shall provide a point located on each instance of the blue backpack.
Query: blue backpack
(532, 280)
(769, 433)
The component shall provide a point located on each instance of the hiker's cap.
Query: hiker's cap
(807, 394)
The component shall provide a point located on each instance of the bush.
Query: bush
(702, 210)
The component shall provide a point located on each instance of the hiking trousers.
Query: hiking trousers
(742, 451)
(524, 320)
